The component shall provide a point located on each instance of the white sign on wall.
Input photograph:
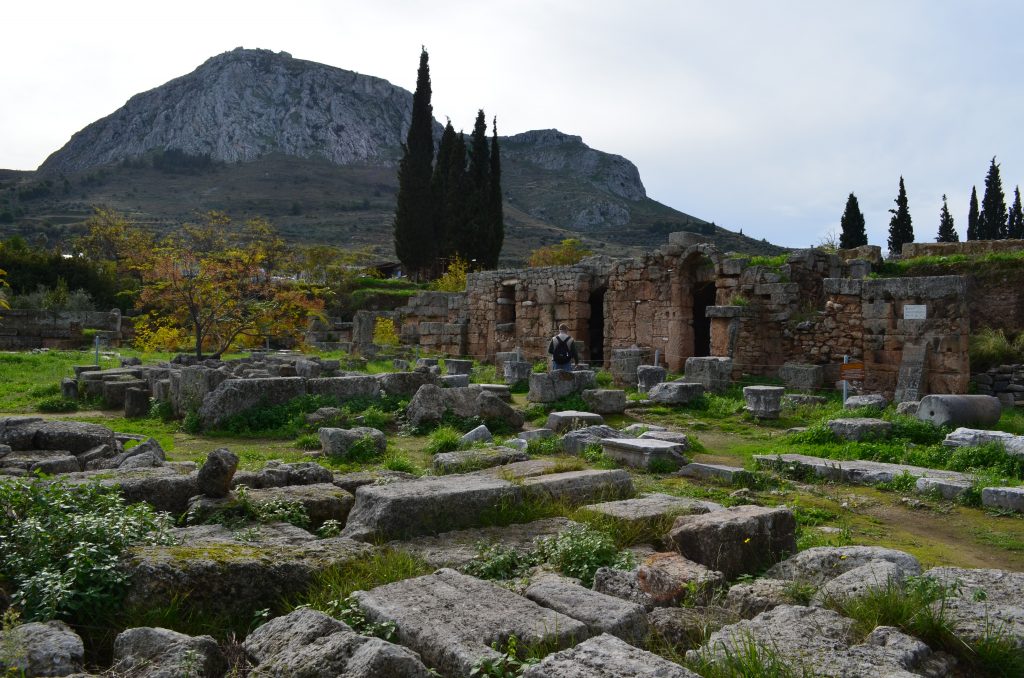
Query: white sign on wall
(915, 312)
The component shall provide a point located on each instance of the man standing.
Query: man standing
(562, 348)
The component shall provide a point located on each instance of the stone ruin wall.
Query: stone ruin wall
(27, 329)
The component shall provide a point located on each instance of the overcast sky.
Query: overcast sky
(760, 116)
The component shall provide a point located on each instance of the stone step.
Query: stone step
(857, 472)
(601, 613)
(702, 471)
(651, 507)
(452, 619)
(606, 655)
(642, 452)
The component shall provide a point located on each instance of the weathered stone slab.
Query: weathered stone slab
(652, 507)
(645, 452)
(278, 474)
(670, 436)
(547, 387)
(738, 540)
(671, 579)
(472, 460)
(876, 575)
(431, 402)
(947, 488)
(675, 392)
(568, 420)
(41, 649)
(454, 380)
(960, 410)
(404, 384)
(480, 434)
(983, 601)
(801, 400)
(345, 388)
(606, 657)
(750, 599)
(229, 576)
(148, 652)
(714, 374)
(352, 481)
(763, 402)
(338, 442)
(685, 628)
(853, 471)
(426, 506)
(605, 400)
(521, 469)
(970, 437)
(536, 434)
(819, 642)
(820, 564)
(626, 361)
(580, 487)
(237, 395)
(452, 619)
(869, 400)
(860, 428)
(457, 548)
(703, 471)
(310, 643)
(453, 366)
(574, 442)
(33, 433)
(601, 613)
(1009, 498)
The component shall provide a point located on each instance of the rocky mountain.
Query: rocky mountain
(315, 149)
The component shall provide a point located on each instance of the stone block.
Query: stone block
(947, 488)
(970, 437)
(670, 579)
(453, 366)
(69, 388)
(233, 396)
(738, 540)
(338, 442)
(763, 402)
(668, 436)
(472, 460)
(609, 656)
(714, 374)
(480, 434)
(645, 453)
(676, 392)
(624, 364)
(860, 428)
(802, 377)
(580, 487)
(569, 420)
(136, 402)
(455, 380)
(451, 619)
(1008, 498)
(705, 471)
(403, 384)
(601, 613)
(547, 387)
(876, 400)
(605, 400)
(574, 442)
(516, 371)
(652, 507)
(649, 376)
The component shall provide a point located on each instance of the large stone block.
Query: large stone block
(969, 437)
(234, 396)
(580, 487)
(345, 388)
(738, 540)
(547, 387)
(860, 428)
(426, 506)
(764, 402)
(645, 453)
(624, 364)
(338, 442)
(404, 384)
(452, 619)
(605, 400)
(649, 376)
(604, 657)
(676, 392)
(601, 613)
(431, 402)
(714, 374)
(802, 377)
(560, 422)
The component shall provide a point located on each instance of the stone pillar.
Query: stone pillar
(624, 364)
(517, 371)
(136, 402)
(69, 388)
(649, 376)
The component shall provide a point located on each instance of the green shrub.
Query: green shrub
(377, 418)
(902, 483)
(485, 374)
(544, 446)
(61, 546)
(580, 550)
(595, 455)
(604, 379)
(507, 665)
(192, 423)
(990, 348)
(396, 461)
(57, 404)
(362, 450)
(161, 409)
(308, 441)
(661, 466)
(278, 421)
(495, 561)
(244, 509)
(444, 439)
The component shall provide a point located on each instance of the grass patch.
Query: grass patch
(57, 404)
(543, 447)
(332, 587)
(243, 509)
(444, 439)
(747, 658)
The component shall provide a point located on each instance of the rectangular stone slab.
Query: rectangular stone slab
(601, 613)
(651, 507)
(640, 452)
(606, 657)
(451, 619)
(426, 506)
(580, 487)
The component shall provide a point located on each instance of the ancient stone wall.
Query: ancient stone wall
(997, 299)
(25, 329)
(970, 247)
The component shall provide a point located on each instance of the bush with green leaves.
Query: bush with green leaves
(507, 665)
(244, 509)
(398, 461)
(377, 418)
(444, 439)
(580, 550)
(57, 404)
(495, 561)
(61, 545)
(308, 441)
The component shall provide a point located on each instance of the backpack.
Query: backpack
(562, 354)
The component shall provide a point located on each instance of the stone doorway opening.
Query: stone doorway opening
(595, 336)
(507, 305)
(703, 296)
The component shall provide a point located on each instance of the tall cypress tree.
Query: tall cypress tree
(947, 233)
(901, 228)
(972, 216)
(439, 193)
(479, 191)
(415, 240)
(992, 220)
(496, 212)
(1015, 222)
(852, 232)
(456, 207)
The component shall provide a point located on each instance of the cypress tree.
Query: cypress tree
(415, 239)
(439, 192)
(479, 191)
(901, 228)
(456, 212)
(496, 212)
(1015, 222)
(852, 232)
(992, 220)
(947, 233)
(972, 216)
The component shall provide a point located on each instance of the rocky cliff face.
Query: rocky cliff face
(245, 104)
(552, 150)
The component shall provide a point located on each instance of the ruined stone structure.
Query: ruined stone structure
(688, 299)
(26, 329)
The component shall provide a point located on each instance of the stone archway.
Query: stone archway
(692, 292)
